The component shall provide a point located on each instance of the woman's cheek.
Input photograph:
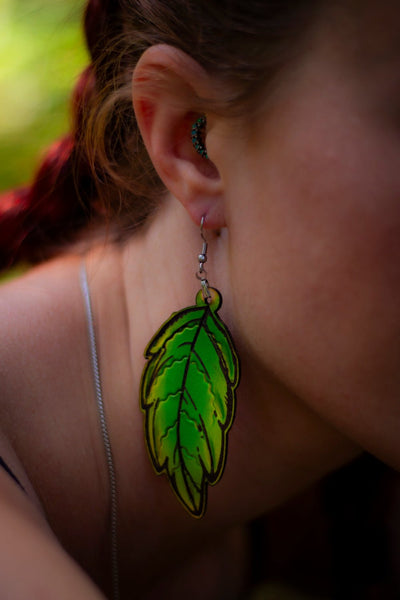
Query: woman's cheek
(318, 285)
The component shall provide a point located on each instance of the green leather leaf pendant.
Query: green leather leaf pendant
(188, 396)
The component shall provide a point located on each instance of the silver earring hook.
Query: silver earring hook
(203, 218)
(202, 258)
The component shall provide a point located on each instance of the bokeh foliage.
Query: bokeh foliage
(41, 55)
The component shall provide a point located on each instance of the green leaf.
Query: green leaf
(188, 396)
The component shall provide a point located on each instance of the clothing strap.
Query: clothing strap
(104, 431)
(4, 465)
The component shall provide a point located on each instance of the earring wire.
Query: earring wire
(202, 258)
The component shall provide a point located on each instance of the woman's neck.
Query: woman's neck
(277, 445)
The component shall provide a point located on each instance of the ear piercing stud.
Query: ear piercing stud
(198, 129)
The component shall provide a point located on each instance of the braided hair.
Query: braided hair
(36, 220)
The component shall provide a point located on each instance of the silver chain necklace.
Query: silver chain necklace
(104, 433)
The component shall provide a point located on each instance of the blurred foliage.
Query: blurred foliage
(41, 55)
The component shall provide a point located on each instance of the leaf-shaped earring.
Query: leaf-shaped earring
(188, 395)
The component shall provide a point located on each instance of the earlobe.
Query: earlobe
(167, 85)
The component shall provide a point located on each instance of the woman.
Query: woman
(294, 180)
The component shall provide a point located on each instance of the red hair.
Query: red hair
(30, 217)
(36, 219)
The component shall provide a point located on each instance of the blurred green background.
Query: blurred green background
(41, 55)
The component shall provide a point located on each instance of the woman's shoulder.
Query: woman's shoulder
(39, 292)
(40, 314)
(39, 319)
(42, 344)
(30, 556)
(47, 408)
(44, 357)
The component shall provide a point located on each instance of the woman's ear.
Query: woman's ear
(167, 89)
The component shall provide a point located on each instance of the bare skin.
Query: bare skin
(264, 468)
(303, 220)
